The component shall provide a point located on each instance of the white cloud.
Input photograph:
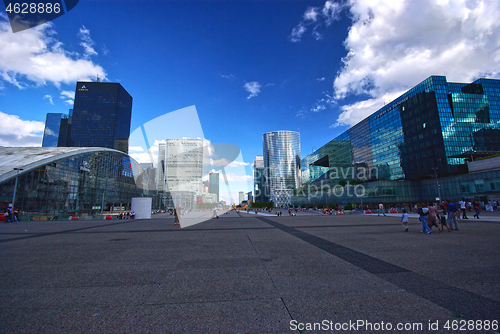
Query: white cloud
(35, 55)
(253, 88)
(135, 149)
(18, 132)
(228, 76)
(318, 17)
(48, 97)
(69, 96)
(238, 164)
(87, 43)
(297, 32)
(393, 46)
(311, 14)
(321, 79)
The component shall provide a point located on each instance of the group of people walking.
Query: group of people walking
(444, 216)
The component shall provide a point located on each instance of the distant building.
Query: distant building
(161, 166)
(259, 180)
(56, 132)
(101, 116)
(213, 184)
(249, 196)
(282, 165)
(181, 162)
(241, 197)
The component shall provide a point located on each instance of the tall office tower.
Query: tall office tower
(162, 164)
(56, 131)
(259, 180)
(213, 184)
(101, 116)
(241, 196)
(282, 165)
(184, 164)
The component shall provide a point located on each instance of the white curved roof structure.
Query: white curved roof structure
(29, 158)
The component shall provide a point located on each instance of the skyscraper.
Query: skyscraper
(259, 180)
(282, 165)
(184, 164)
(101, 116)
(213, 184)
(56, 130)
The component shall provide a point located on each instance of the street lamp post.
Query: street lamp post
(15, 188)
(437, 183)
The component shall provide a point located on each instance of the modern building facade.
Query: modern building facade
(56, 132)
(181, 162)
(101, 116)
(428, 132)
(67, 181)
(213, 184)
(259, 180)
(282, 165)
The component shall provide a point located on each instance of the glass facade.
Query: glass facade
(259, 180)
(281, 161)
(213, 184)
(69, 182)
(101, 116)
(426, 131)
(56, 130)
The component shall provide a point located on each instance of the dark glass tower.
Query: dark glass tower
(101, 116)
(56, 131)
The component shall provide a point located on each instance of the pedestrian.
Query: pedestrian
(452, 210)
(404, 219)
(11, 215)
(381, 209)
(477, 208)
(442, 217)
(423, 211)
(463, 208)
(214, 214)
(177, 212)
(433, 216)
(16, 215)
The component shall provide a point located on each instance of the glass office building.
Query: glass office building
(429, 131)
(56, 132)
(213, 184)
(101, 116)
(282, 164)
(65, 180)
(259, 180)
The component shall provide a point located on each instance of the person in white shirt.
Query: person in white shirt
(381, 209)
(214, 215)
(463, 208)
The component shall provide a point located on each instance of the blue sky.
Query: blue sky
(249, 67)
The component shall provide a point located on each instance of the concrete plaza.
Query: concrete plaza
(247, 273)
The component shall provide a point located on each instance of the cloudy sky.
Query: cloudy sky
(249, 67)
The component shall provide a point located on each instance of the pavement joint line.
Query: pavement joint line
(269, 275)
(44, 234)
(438, 292)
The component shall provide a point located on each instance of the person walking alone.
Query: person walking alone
(404, 219)
(214, 215)
(381, 209)
(463, 208)
(477, 208)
